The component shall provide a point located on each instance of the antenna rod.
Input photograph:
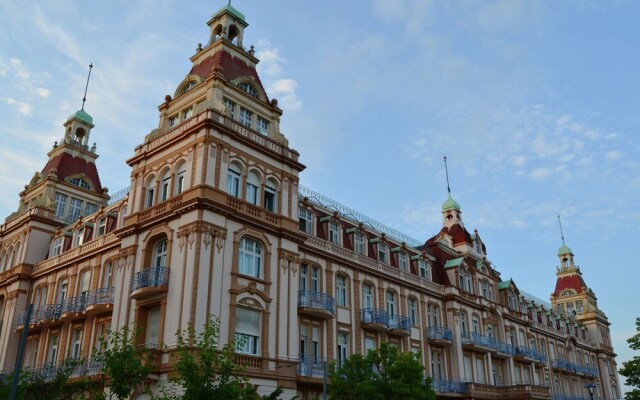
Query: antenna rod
(561, 234)
(446, 171)
(84, 99)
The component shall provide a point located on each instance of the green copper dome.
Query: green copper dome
(450, 204)
(83, 116)
(228, 8)
(564, 250)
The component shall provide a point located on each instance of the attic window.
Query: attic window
(249, 89)
(190, 85)
(80, 183)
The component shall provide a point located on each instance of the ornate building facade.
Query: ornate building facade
(215, 222)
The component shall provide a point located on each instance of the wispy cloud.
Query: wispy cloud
(58, 37)
(23, 109)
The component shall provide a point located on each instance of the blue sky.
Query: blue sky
(534, 103)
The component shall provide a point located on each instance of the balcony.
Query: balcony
(478, 342)
(73, 308)
(439, 335)
(311, 368)
(586, 370)
(316, 304)
(374, 319)
(561, 364)
(399, 325)
(503, 350)
(558, 396)
(518, 391)
(100, 300)
(49, 313)
(528, 354)
(150, 281)
(446, 386)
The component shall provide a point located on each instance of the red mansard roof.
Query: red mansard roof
(232, 68)
(574, 282)
(66, 165)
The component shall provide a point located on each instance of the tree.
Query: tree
(383, 374)
(204, 371)
(125, 364)
(631, 369)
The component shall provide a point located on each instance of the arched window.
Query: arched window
(249, 89)
(165, 185)
(270, 195)
(464, 328)
(181, 170)
(233, 34)
(80, 183)
(150, 191)
(233, 180)
(252, 194)
(250, 258)
(3, 260)
(160, 254)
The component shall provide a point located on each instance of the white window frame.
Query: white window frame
(56, 247)
(270, 196)
(252, 189)
(78, 239)
(246, 117)
(403, 261)
(247, 338)
(61, 204)
(359, 243)
(333, 229)
(234, 178)
(250, 258)
(305, 220)
(101, 227)
(342, 347)
(180, 178)
(263, 126)
(341, 291)
(412, 308)
(383, 252)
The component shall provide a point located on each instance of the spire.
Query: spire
(446, 171)
(564, 250)
(450, 208)
(84, 98)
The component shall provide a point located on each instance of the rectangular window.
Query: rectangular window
(343, 347)
(172, 121)
(56, 249)
(305, 218)
(402, 261)
(85, 283)
(102, 227)
(164, 189)
(413, 314)
(187, 113)
(247, 331)
(341, 290)
(53, 349)
(79, 237)
(246, 117)
(263, 126)
(90, 208)
(61, 204)
(62, 291)
(153, 328)
(150, 196)
(180, 182)
(106, 277)
(423, 269)
(334, 233)
(75, 346)
(252, 193)
(369, 344)
(358, 239)
(382, 252)
(75, 206)
(233, 183)
(231, 107)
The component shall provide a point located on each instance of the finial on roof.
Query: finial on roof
(84, 98)
(446, 171)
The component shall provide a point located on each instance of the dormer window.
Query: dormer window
(249, 89)
(56, 247)
(334, 232)
(423, 269)
(190, 85)
(513, 301)
(358, 243)
(102, 227)
(383, 252)
(79, 238)
(305, 218)
(81, 183)
(403, 261)
(465, 280)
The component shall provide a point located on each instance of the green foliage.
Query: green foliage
(204, 371)
(125, 364)
(383, 374)
(56, 382)
(631, 369)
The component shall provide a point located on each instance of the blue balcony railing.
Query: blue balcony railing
(504, 348)
(439, 333)
(399, 322)
(558, 396)
(478, 340)
(373, 316)
(101, 296)
(308, 298)
(74, 304)
(49, 312)
(150, 277)
(559, 363)
(311, 367)
(448, 386)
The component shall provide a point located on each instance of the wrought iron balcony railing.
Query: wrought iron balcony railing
(373, 316)
(308, 298)
(559, 363)
(449, 386)
(101, 296)
(312, 367)
(74, 304)
(504, 348)
(478, 340)
(400, 322)
(439, 333)
(150, 277)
